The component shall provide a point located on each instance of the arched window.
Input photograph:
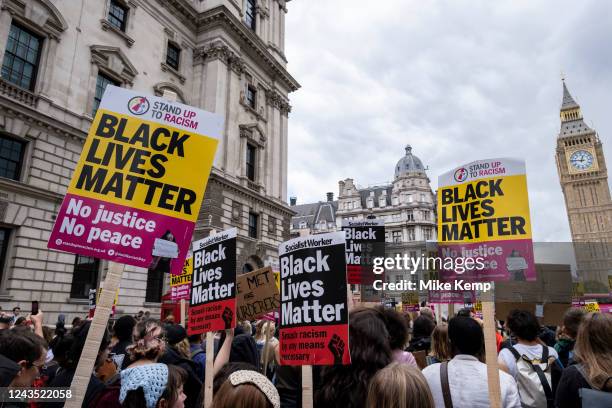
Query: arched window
(158, 89)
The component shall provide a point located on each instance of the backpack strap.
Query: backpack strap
(545, 353)
(545, 384)
(538, 370)
(515, 353)
(448, 401)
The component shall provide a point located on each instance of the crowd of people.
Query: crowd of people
(398, 360)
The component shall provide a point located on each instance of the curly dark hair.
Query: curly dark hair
(145, 348)
(523, 324)
(347, 385)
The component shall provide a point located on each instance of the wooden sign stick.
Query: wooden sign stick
(307, 391)
(183, 310)
(210, 360)
(265, 347)
(488, 314)
(94, 336)
(208, 376)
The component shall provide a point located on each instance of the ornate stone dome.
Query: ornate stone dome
(408, 164)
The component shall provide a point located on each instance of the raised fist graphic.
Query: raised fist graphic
(336, 346)
(227, 317)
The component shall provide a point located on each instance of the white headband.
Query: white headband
(258, 380)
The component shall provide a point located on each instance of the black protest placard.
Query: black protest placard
(365, 240)
(314, 306)
(212, 305)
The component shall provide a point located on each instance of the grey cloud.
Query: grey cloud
(458, 80)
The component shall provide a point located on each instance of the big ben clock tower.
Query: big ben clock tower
(584, 180)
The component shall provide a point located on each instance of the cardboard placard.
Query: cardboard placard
(131, 195)
(483, 212)
(314, 304)
(257, 294)
(212, 305)
(180, 285)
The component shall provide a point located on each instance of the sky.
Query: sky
(457, 80)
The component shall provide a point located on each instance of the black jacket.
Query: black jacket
(193, 386)
(63, 378)
(244, 350)
(567, 390)
(8, 370)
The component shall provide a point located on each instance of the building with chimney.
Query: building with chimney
(58, 56)
(313, 218)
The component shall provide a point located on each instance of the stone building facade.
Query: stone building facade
(225, 56)
(407, 205)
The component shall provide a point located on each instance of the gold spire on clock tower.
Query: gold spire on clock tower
(584, 181)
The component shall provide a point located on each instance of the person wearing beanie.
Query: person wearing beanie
(177, 353)
(123, 331)
(175, 333)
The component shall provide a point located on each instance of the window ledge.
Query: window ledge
(18, 93)
(167, 68)
(252, 185)
(259, 115)
(5, 297)
(78, 301)
(106, 26)
(151, 305)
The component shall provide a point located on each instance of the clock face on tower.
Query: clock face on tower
(581, 160)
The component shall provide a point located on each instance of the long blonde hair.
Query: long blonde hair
(260, 329)
(440, 345)
(399, 386)
(593, 348)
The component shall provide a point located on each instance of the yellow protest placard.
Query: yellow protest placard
(180, 285)
(136, 190)
(591, 307)
(185, 276)
(483, 216)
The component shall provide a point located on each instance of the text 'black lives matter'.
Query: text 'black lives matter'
(314, 309)
(212, 305)
(365, 240)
